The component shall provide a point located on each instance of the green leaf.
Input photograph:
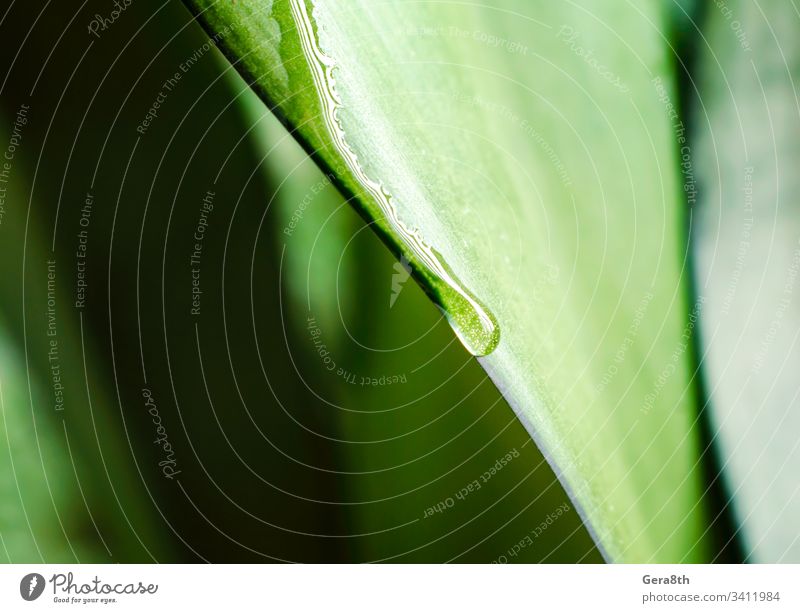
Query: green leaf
(521, 161)
(436, 425)
(747, 247)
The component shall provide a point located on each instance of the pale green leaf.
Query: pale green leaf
(521, 156)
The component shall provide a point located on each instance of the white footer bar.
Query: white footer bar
(399, 588)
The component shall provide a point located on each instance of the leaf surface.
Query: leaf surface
(521, 157)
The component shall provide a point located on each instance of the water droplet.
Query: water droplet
(473, 323)
(477, 331)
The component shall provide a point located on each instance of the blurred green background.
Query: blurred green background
(309, 404)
